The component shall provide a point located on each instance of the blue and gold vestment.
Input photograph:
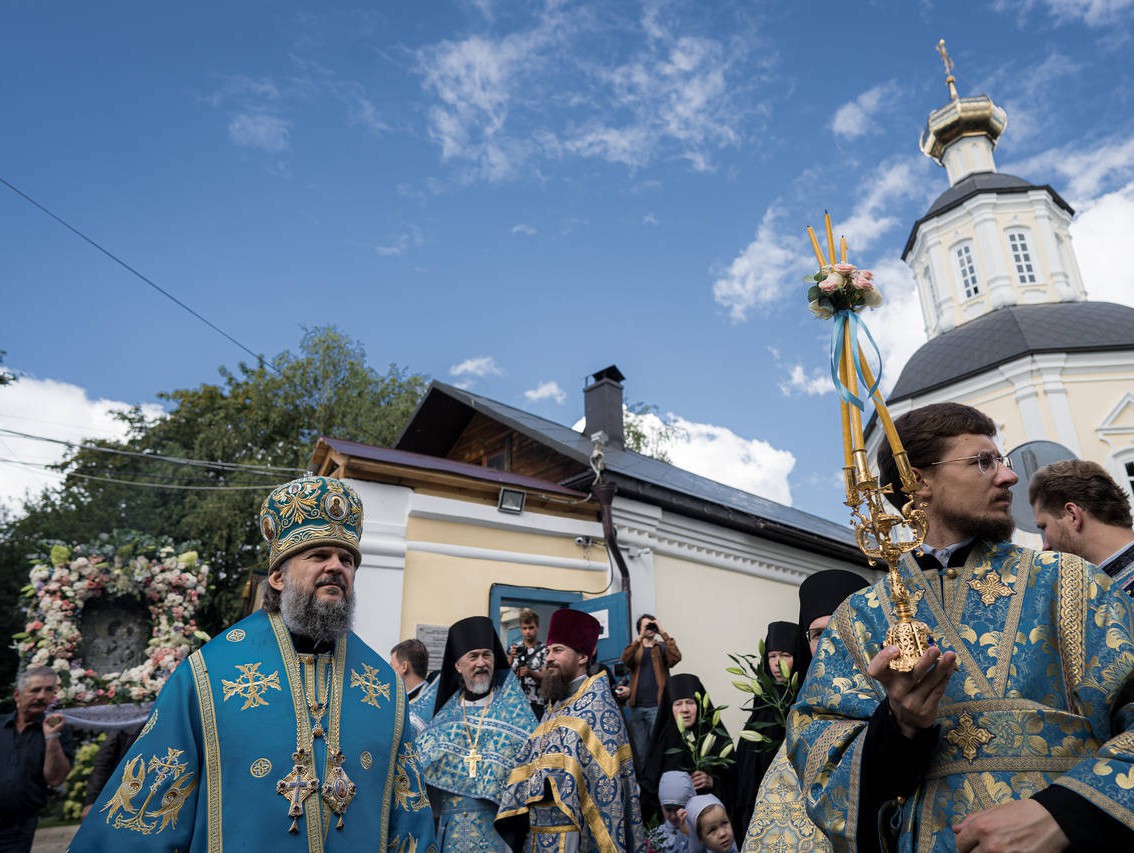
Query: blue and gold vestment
(1041, 695)
(779, 818)
(468, 804)
(204, 772)
(575, 774)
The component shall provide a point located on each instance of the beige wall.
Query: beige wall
(710, 612)
(439, 589)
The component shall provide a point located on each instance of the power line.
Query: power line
(266, 470)
(260, 358)
(143, 483)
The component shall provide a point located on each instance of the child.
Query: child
(675, 789)
(708, 824)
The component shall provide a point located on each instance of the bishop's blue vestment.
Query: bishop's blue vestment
(238, 754)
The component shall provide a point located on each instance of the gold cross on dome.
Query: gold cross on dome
(251, 685)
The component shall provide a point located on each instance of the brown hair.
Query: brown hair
(924, 432)
(415, 654)
(1084, 483)
(528, 616)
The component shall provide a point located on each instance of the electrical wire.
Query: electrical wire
(143, 483)
(266, 470)
(260, 358)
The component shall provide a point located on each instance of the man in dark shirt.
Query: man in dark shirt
(37, 752)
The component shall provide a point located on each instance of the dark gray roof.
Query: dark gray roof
(445, 411)
(1012, 332)
(976, 184)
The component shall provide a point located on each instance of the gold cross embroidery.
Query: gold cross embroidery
(370, 684)
(251, 685)
(990, 587)
(968, 737)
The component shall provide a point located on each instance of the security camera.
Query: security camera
(583, 541)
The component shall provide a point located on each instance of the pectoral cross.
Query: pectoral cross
(471, 761)
(297, 786)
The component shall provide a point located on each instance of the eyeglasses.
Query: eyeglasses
(986, 462)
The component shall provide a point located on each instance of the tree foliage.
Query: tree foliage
(255, 428)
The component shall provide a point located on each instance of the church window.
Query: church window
(967, 265)
(1021, 257)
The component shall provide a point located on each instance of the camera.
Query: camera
(652, 626)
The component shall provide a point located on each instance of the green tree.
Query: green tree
(645, 431)
(255, 429)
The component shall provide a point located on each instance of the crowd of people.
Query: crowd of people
(1013, 731)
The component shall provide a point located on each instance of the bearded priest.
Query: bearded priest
(573, 789)
(285, 732)
(481, 718)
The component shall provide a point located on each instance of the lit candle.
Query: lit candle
(815, 246)
(830, 238)
(842, 250)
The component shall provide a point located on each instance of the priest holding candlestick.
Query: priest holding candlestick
(979, 696)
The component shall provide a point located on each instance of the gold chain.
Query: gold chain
(474, 757)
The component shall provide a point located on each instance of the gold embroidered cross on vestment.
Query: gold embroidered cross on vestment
(968, 736)
(990, 587)
(371, 686)
(251, 685)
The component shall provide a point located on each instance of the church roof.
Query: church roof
(1011, 332)
(976, 184)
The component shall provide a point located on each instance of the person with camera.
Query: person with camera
(527, 660)
(650, 657)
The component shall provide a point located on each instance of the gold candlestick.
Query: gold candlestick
(881, 533)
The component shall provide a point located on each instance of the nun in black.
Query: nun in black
(668, 750)
(752, 759)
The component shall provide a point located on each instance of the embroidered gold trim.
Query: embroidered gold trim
(610, 763)
(1072, 622)
(235, 635)
(206, 705)
(395, 745)
(991, 587)
(150, 723)
(366, 760)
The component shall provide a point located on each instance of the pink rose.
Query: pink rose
(844, 269)
(832, 282)
(863, 281)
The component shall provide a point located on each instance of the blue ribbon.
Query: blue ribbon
(841, 319)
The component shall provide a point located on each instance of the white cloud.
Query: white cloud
(719, 454)
(260, 130)
(1087, 171)
(855, 118)
(762, 271)
(477, 368)
(242, 88)
(399, 244)
(1093, 13)
(889, 182)
(650, 219)
(526, 230)
(810, 383)
(897, 325)
(51, 409)
(546, 391)
(1101, 235)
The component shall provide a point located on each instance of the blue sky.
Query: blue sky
(510, 196)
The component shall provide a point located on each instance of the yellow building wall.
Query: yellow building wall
(710, 612)
(439, 589)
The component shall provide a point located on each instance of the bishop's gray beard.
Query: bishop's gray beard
(321, 620)
(555, 686)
